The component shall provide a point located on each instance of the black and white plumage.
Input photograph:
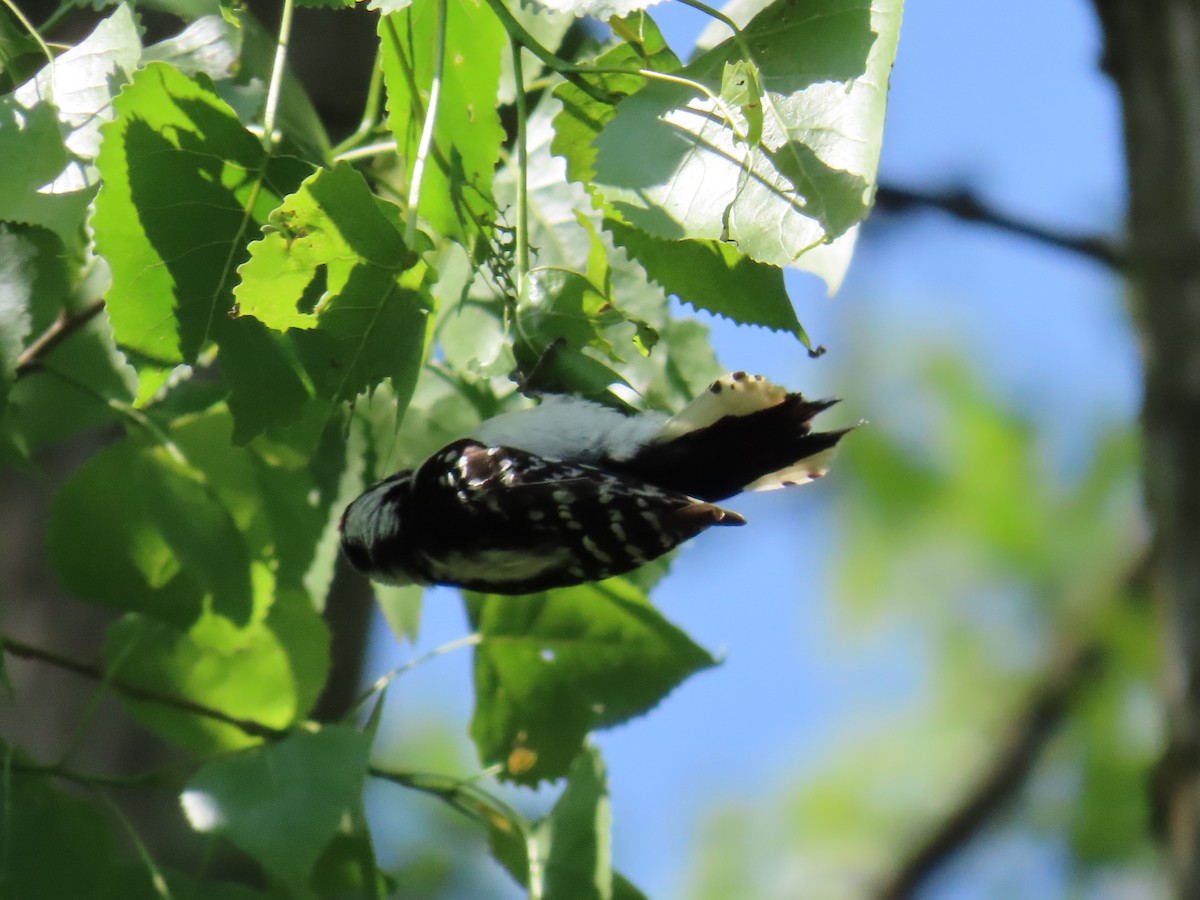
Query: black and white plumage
(571, 491)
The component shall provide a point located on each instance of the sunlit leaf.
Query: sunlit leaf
(268, 673)
(670, 164)
(50, 128)
(457, 184)
(185, 186)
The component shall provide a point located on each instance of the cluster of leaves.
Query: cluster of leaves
(269, 321)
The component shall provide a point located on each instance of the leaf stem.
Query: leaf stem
(566, 68)
(27, 651)
(33, 32)
(460, 793)
(156, 876)
(278, 69)
(127, 411)
(522, 170)
(435, 90)
(370, 116)
(714, 13)
(365, 151)
(384, 680)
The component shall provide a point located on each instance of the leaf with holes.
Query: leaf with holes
(333, 271)
(552, 667)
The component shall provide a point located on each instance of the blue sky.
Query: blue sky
(1005, 98)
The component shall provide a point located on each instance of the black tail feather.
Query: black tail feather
(720, 460)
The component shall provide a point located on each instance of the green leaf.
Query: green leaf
(20, 55)
(468, 134)
(332, 223)
(282, 803)
(54, 845)
(90, 376)
(582, 116)
(34, 155)
(201, 534)
(50, 128)
(269, 672)
(552, 667)
(211, 44)
(670, 164)
(681, 363)
(333, 268)
(574, 842)
(740, 87)
(104, 541)
(715, 277)
(185, 185)
(401, 607)
(18, 272)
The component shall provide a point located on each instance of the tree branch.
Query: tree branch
(965, 205)
(27, 651)
(62, 328)
(1008, 771)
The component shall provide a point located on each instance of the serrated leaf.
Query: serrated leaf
(670, 164)
(552, 667)
(269, 672)
(282, 803)
(331, 225)
(714, 276)
(74, 93)
(185, 185)
(333, 267)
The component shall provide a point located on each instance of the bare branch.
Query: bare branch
(999, 783)
(86, 670)
(963, 204)
(62, 328)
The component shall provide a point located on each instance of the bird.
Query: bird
(572, 491)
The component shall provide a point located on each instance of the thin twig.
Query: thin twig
(134, 692)
(963, 204)
(522, 170)
(384, 680)
(1008, 771)
(67, 323)
(569, 70)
